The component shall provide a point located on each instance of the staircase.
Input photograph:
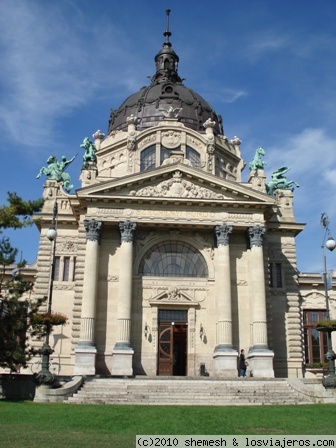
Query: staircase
(184, 391)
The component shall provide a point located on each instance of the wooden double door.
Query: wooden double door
(172, 356)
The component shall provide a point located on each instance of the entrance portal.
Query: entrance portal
(172, 356)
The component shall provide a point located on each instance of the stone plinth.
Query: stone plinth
(122, 362)
(42, 393)
(261, 364)
(226, 364)
(85, 360)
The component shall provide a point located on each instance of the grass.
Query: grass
(30, 425)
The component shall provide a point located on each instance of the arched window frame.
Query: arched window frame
(193, 156)
(198, 267)
(148, 158)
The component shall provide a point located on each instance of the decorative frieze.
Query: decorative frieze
(68, 246)
(108, 278)
(150, 139)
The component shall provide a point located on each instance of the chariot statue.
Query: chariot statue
(257, 162)
(55, 171)
(90, 152)
(279, 181)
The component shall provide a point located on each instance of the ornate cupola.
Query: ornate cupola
(166, 60)
(166, 92)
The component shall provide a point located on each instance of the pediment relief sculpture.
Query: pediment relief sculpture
(177, 187)
(173, 296)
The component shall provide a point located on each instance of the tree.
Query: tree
(18, 213)
(17, 308)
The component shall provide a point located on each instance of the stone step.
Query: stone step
(188, 392)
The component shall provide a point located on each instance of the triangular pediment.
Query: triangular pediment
(173, 296)
(176, 181)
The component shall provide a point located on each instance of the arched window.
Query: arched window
(173, 259)
(148, 158)
(194, 157)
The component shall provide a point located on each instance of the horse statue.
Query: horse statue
(90, 152)
(279, 181)
(55, 171)
(256, 161)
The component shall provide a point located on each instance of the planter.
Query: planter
(326, 328)
(326, 325)
(49, 319)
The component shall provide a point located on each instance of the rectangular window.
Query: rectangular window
(173, 316)
(66, 269)
(278, 275)
(57, 264)
(74, 269)
(315, 341)
(275, 275)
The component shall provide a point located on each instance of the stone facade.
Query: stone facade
(169, 264)
(110, 226)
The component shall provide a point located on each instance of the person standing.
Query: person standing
(242, 363)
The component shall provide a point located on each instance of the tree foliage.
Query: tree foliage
(17, 308)
(18, 213)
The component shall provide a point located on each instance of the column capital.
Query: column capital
(93, 229)
(256, 234)
(127, 230)
(222, 233)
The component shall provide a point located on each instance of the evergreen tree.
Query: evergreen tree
(17, 308)
(17, 213)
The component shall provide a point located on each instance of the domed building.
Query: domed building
(166, 263)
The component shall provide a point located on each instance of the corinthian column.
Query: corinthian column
(260, 356)
(122, 352)
(225, 356)
(85, 350)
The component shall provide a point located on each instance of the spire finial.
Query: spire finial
(167, 33)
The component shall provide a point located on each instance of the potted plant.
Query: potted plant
(326, 325)
(48, 320)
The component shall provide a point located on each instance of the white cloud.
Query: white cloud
(265, 44)
(311, 151)
(52, 63)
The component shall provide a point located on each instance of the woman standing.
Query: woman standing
(242, 363)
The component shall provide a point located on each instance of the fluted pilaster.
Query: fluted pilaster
(223, 288)
(127, 231)
(258, 304)
(93, 233)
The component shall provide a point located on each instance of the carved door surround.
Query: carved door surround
(174, 298)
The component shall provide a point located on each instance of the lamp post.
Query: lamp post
(45, 376)
(329, 380)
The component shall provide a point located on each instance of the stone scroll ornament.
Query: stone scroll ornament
(55, 171)
(127, 230)
(256, 234)
(222, 233)
(93, 229)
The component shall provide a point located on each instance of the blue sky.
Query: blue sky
(268, 67)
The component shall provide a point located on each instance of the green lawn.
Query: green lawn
(28, 424)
